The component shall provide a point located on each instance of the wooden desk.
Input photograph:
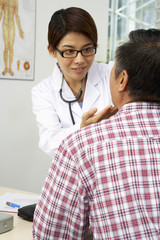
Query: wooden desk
(22, 229)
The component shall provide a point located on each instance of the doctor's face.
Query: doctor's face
(74, 69)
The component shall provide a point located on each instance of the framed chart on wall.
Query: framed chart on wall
(17, 39)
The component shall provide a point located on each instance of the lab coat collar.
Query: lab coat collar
(56, 78)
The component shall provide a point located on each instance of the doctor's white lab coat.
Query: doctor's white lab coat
(52, 113)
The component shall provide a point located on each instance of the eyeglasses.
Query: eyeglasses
(73, 53)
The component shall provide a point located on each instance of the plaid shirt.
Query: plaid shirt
(106, 175)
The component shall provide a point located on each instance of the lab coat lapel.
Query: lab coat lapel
(92, 92)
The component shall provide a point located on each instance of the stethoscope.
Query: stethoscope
(77, 97)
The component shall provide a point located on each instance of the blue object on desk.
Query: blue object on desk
(13, 205)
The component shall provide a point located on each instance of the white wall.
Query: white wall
(22, 164)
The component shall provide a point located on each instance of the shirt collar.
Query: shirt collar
(135, 106)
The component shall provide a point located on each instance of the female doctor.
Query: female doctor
(78, 87)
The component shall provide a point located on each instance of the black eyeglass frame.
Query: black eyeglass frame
(77, 51)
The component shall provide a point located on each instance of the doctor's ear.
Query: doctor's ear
(51, 51)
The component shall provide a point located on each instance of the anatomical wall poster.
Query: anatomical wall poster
(17, 39)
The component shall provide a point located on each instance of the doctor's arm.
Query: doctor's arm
(51, 131)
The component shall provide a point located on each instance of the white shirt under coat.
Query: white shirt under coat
(52, 113)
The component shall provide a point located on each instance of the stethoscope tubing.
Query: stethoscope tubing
(70, 102)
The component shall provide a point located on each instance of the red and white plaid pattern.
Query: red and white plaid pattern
(106, 175)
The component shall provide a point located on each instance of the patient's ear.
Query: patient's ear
(51, 51)
(123, 81)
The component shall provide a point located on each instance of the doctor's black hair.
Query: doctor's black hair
(72, 19)
(140, 57)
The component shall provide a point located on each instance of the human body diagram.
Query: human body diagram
(9, 16)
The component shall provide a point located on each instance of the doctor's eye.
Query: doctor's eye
(69, 53)
(88, 51)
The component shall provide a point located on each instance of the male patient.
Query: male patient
(107, 175)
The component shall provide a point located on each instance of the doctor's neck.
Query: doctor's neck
(77, 86)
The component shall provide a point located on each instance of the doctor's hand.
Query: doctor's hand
(90, 117)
